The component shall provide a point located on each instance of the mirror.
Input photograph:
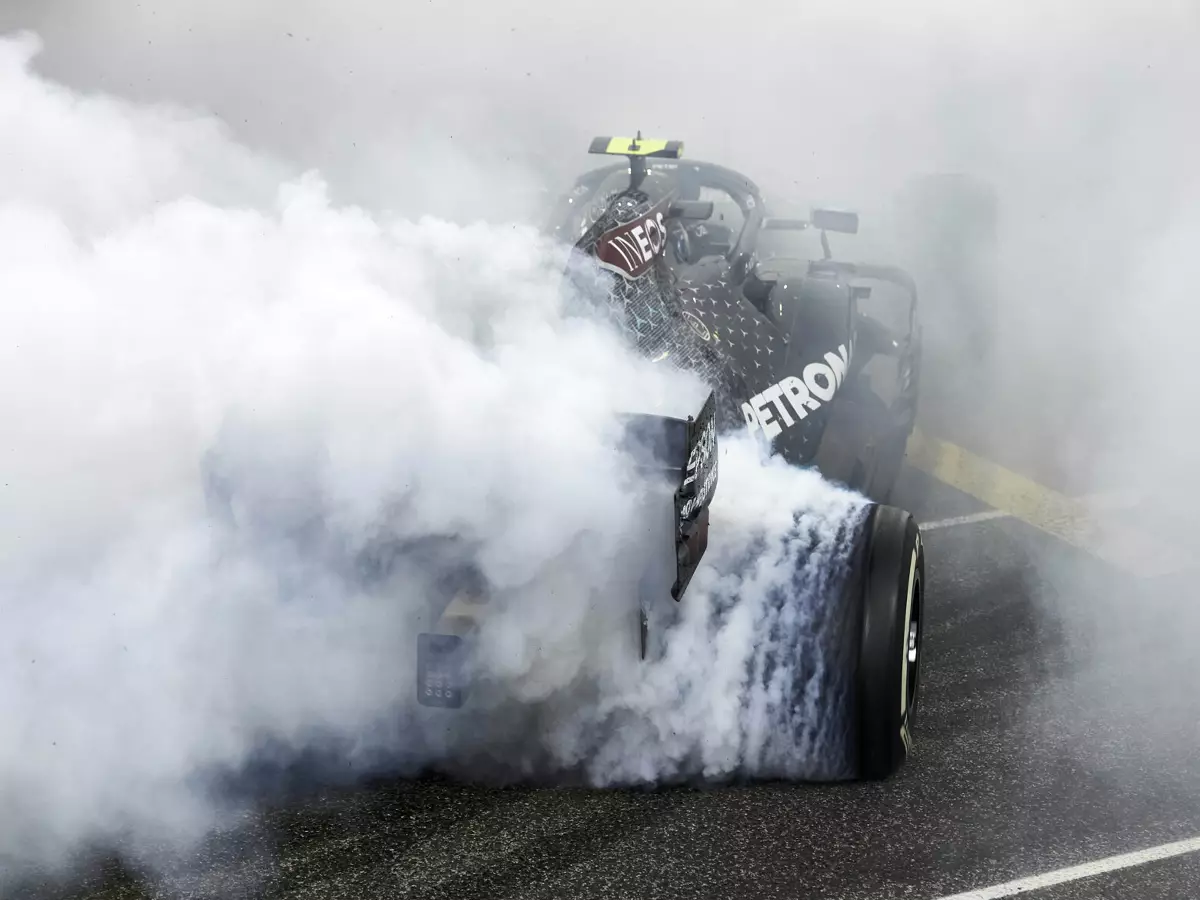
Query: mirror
(835, 220)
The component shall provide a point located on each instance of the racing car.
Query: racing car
(789, 355)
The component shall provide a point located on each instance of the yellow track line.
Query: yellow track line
(1070, 519)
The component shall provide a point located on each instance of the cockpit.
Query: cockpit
(715, 235)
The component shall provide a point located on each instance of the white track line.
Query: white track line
(984, 516)
(1113, 501)
(1076, 873)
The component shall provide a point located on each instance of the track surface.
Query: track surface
(1057, 727)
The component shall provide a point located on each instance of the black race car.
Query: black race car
(677, 257)
(789, 354)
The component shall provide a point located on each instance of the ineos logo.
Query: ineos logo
(631, 248)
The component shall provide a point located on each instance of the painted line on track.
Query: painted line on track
(1077, 873)
(986, 516)
(1099, 502)
(1072, 519)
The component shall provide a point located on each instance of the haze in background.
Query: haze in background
(1075, 113)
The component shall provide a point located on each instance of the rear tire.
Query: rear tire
(833, 679)
(890, 586)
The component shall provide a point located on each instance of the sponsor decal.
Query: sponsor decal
(702, 450)
(702, 496)
(697, 326)
(630, 249)
(702, 458)
(790, 400)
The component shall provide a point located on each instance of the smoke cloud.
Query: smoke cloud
(248, 430)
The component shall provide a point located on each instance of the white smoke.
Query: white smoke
(751, 682)
(170, 310)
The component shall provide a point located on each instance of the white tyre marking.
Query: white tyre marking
(912, 576)
(986, 516)
(1076, 873)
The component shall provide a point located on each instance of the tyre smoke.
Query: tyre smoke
(229, 400)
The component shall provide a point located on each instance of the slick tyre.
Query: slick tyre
(890, 583)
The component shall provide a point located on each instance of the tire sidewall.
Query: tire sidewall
(891, 597)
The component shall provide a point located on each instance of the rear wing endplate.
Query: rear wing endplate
(695, 494)
(685, 450)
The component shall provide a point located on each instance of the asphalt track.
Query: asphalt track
(1057, 728)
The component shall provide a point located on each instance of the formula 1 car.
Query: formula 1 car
(788, 355)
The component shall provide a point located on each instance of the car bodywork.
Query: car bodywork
(786, 352)
(822, 355)
(781, 340)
